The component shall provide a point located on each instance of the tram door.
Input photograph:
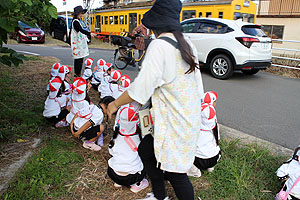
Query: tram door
(132, 21)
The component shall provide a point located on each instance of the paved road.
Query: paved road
(263, 105)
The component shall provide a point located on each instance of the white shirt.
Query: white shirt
(118, 92)
(75, 107)
(96, 119)
(104, 86)
(53, 106)
(291, 169)
(174, 99)
(97, 75)
(87, 73)
(124, 158)
(206, 145)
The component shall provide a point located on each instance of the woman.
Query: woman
(79, 40)
(170, 76)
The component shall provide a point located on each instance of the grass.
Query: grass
(244, 172)
(47, 173)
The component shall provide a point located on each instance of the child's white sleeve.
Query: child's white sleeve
(283, 171)
(62, 100)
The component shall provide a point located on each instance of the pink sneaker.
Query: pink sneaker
(61, 123)
(91, 145)
(136, 188)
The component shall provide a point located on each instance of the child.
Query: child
(113, 84)
(105, 80)
(123, 84)
(289, 174)
(53, 74)
(55, 105)
(210, 98)
(78, 96)
(125, 167)
(88, 68)
(98, 73)
(86, 124)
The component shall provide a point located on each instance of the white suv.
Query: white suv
(228, 45)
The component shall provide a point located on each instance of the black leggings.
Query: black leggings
(62, 115)
(180, 182)
(78, 66)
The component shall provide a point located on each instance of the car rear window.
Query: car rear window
(253, 30)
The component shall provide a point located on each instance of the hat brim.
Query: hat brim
(127, 128)
(155, 21)
(80, 11)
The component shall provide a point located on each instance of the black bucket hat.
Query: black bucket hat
(78, 10)
(164, 15)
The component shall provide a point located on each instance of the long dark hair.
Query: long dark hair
(185, 51)
(216, 133)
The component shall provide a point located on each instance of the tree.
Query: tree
(27, 11)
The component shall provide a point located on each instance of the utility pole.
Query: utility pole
(67, 19)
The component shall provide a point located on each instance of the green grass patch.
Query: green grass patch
(16, 119)
(47, 173)
(244, 172)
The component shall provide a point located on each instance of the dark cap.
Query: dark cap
(78, 10)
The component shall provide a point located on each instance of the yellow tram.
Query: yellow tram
(113, 21)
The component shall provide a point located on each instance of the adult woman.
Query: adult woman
(170, 76)
(79, 39)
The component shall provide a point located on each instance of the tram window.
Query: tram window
(221, 15)
(125, 19)
(187, 14)
(116, 19)
(106, 19)
(208, 14)
(111, 20)
(200, 14)
(97, 21)
(121, 19)
(188, 27)
(139, 19)
(102, 20)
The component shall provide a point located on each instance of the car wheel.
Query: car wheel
(221, 67)
(18, 39)
(250, 72)
(65, 38)
(52, 34)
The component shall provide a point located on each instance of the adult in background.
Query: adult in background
(170, 76)
(79, 40)
(140, 41)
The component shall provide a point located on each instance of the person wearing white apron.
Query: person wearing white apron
(79, 40)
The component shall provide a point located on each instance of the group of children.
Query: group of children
(69, 105)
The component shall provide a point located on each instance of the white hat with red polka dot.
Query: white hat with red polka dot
(100, 64)
(210, 97)
(128, 120)
(54, 87)
(107, 66)
(115, 75)
(54, 69)
(63, 70)
(125, 81)
(208, 117)
(88, 63)
(78, 89)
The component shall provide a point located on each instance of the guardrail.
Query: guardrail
(286, 58)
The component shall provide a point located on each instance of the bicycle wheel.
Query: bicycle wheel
(122, 58)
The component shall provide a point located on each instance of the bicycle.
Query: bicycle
(125, 54)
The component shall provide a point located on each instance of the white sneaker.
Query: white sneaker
(116, 185)
(194, 171)
(91, 145)
(150, 196)
(136, 188)
(210, 169)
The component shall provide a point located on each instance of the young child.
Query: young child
(78, 97)
(113, 84)
(123, 84)
(55, 105)
(53, 74)
(86, 124)
(88, 68)
(105, 80)
(289, 174)
(125, 167)
(98, 74)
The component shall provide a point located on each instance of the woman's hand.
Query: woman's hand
(93, 35)
(111, 109)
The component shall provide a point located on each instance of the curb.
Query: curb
(230, 133)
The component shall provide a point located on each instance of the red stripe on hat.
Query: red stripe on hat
(207, 98)
(56, 66)
(212, 113)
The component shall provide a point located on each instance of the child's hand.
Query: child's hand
(111, 109)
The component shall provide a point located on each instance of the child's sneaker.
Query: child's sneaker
(100, 140)
(91, 145)
(136, 188)
(61, 123)
(150, 196)
(210, 169)
(194, 171)
(116, 185)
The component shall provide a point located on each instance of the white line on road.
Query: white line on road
(26, 52)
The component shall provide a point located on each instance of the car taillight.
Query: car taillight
(247, 41)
